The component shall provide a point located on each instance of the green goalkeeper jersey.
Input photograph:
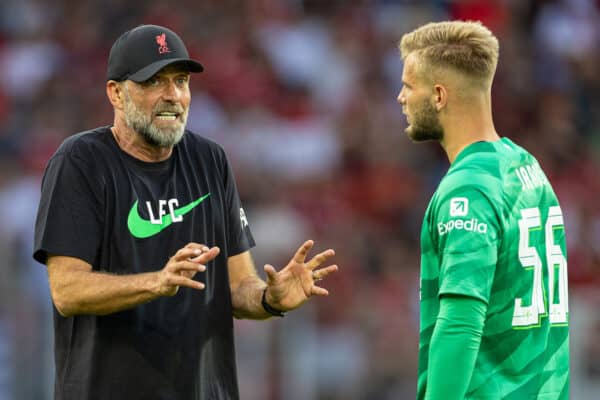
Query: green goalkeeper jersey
(494, 231)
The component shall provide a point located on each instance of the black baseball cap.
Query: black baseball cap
(143, 51)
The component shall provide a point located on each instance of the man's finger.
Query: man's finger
(319, 291)
(182, 281)
(320, 258)
(197, 254)
(187, 253)
(193, 245)
(300, 255)
(323, 272)
(187, 266)
(271, 274)
(206, 256)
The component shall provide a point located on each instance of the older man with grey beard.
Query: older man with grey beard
(147, 245)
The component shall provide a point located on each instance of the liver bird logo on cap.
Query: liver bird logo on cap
(161, 40)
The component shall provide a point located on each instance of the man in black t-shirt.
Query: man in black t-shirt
(147, 245)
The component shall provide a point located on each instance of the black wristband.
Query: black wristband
(273, 311)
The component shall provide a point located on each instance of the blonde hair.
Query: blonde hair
(467, 47)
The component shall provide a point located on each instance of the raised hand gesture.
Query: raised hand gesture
(295, 283)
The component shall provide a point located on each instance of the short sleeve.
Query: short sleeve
(69, 218)
(467, 232)
(239, 236)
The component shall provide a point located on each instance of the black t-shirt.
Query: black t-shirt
(126, 216)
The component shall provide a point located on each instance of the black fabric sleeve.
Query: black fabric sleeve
(69, 219)
(239, 236)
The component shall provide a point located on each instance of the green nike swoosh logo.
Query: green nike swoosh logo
(143, 228)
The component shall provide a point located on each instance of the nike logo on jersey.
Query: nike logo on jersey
(142, 228)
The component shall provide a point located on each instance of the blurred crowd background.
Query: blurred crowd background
(302, 95)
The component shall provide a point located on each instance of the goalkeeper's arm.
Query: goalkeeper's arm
(454, 346)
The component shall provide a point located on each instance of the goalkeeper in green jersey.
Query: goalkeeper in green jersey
(494, 292)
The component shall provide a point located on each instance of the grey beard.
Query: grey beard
(154, 136)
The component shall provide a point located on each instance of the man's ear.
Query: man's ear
(114, 92)
(440, 97)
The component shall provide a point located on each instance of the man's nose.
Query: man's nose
(400, 99)
(172, 92)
